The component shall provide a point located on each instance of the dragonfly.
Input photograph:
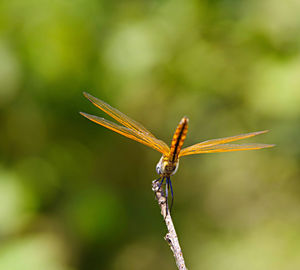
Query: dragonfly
(169, 161)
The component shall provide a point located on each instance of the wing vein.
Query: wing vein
(220, 145)
(138, 129)
(129, 133)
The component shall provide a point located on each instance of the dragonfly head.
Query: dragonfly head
(166, 167)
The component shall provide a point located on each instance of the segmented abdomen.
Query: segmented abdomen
(178, 139)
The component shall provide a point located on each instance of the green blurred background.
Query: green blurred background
(74, 195)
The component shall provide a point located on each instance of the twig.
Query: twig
(171, 236)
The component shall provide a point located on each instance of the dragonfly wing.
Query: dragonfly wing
(128, 122)
(196, 148)
(152, 142)
(227, 148)
(117, 115)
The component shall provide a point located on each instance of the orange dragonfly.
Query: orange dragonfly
(168, 163)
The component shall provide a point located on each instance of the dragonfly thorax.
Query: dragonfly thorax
(166, 167)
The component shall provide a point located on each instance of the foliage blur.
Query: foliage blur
(77, 196)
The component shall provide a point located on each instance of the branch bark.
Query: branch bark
(171, 236)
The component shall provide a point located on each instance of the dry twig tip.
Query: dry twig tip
(171, 236)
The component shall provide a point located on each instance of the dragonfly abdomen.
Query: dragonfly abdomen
(178, 139)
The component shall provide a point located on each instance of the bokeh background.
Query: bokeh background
(74, 195)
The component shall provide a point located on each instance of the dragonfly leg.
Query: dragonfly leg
(172, 196)
(167, 193)
(156, 180)
(161, 182)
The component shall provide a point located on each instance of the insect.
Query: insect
(168, 163)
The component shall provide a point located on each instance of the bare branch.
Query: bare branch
(171, 236)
